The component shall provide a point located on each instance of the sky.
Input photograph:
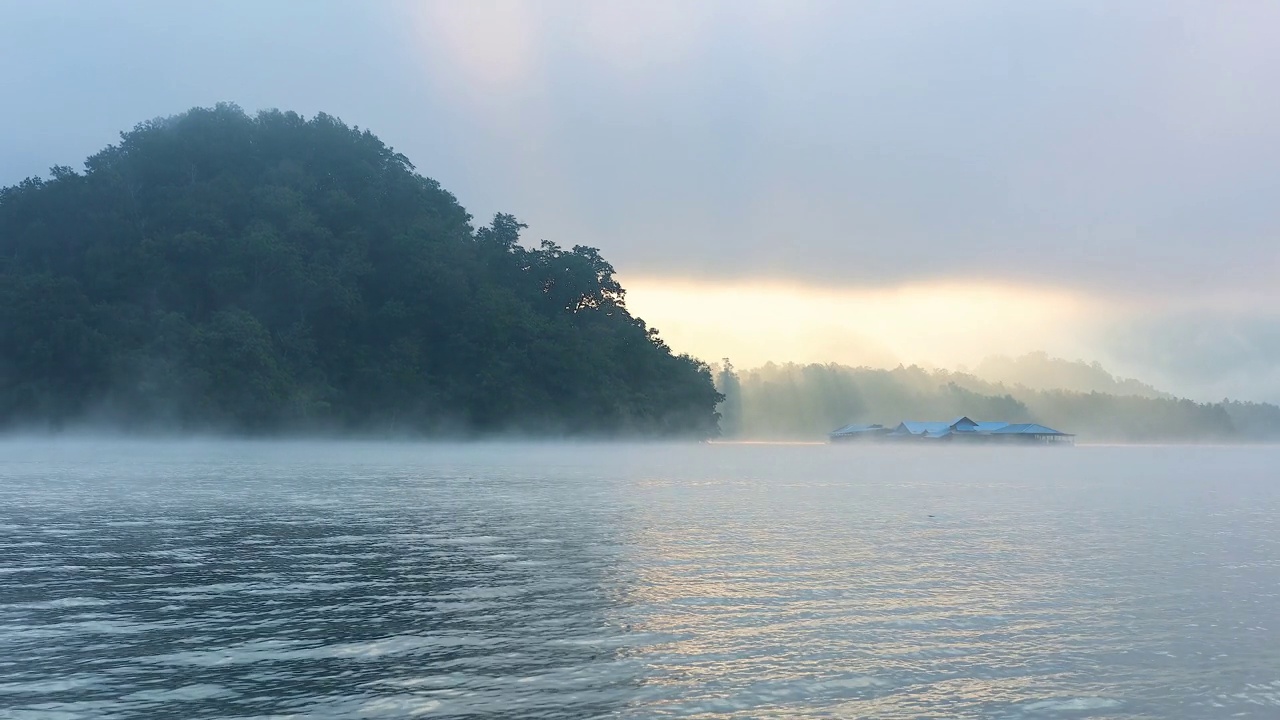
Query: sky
(860, 182)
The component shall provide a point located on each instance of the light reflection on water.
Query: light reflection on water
(250, 579)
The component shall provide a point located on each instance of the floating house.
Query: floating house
(959, 430)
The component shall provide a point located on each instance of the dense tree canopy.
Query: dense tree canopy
(216, 270)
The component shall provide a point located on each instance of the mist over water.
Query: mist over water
(254, 579)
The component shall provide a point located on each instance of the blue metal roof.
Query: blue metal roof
(851, 429)
(961, 425)
(1026, 429)
(920, 428)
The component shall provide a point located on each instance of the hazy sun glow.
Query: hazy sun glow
(946, 325)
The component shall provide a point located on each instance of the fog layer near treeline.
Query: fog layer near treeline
(805, 402)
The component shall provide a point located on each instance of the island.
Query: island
(263, 274)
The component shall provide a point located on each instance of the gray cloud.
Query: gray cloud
(1078, 143)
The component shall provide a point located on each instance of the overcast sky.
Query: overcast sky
(1113, 167)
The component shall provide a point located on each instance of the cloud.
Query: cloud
(486, 50)
(941, 325)
(877, 143)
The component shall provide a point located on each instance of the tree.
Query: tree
(729, 385)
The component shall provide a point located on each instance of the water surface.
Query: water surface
(238, 580)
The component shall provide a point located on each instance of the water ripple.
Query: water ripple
(237, 580)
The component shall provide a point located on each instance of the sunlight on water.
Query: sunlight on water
(231, 580)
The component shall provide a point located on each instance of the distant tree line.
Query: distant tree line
(216, 270)
(807, 401)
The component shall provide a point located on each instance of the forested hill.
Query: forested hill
(220, 271)
(1038, 371)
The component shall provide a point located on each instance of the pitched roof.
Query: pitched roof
(920, 428)
(851, 429)
(1027, 429)
(961, 425)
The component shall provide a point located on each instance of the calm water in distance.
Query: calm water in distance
(253, 580)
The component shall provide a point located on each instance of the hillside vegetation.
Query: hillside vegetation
(804, 402)
(1038, 371)
(217, 270)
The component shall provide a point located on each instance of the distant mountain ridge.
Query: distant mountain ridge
(1039, 371)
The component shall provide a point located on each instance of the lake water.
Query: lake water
(237, 580)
